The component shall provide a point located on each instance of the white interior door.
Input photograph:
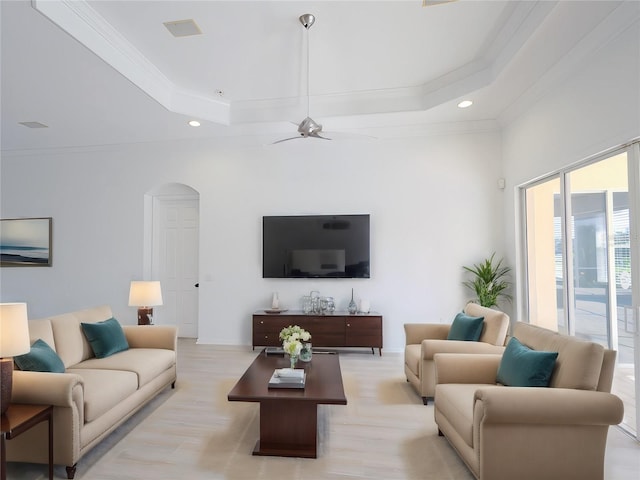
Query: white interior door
(175, 261)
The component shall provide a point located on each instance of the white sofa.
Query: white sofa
(530, 433)
(94, 395)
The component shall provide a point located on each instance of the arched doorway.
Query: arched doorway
(172, 223)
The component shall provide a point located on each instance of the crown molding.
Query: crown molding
(82, 22)
(87, 26)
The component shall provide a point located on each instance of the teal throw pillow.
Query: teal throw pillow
(41, 358)
(466, 328)
(106, 337)
(522, 367)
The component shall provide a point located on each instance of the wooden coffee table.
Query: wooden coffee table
(289, 417)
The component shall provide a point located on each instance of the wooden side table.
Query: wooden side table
(18, 419)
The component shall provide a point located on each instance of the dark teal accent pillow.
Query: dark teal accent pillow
(41, 358)
(522, 367)
(466, 328)
(106, 337)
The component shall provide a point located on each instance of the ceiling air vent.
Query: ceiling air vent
(183, 28)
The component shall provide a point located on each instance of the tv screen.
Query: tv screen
(315, 246)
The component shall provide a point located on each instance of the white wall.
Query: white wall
(594, 109)
(433, 201)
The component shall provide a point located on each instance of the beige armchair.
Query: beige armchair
(424, 340)
(530, 433)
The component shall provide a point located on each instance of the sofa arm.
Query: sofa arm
(466, 368)
(43, 388)
(416, 332)
(152, 336)
(432, 347)
(547, 406)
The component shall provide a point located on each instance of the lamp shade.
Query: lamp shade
(145, 294)
(14, 330)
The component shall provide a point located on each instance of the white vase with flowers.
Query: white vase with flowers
(294, 339)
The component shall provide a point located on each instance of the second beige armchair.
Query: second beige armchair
(424, 340)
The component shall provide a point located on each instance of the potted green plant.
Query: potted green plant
(489, 281)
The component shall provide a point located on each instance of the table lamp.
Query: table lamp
(14, 340)
(145, 295)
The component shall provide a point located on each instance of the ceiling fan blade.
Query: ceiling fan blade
(287, 139)
(317, 135)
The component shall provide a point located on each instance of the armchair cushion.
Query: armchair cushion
(41, 358)
(466, 328)
(522, 367)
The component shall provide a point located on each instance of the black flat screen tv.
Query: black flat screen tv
(315, 246)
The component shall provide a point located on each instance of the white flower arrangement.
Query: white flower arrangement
(292, 347)
(292, 338)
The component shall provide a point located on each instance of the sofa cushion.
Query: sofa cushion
(496, 323)
(41, 329)
(465, 327)
(70, 343)
(145, 363)
(41, 358)
(106, 337)
(579, 362)
(522, 367)
(104, 389)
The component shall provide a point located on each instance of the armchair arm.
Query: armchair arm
(547, 406)
(416, 332)
(57, 389)
(466, 368)
(431, 347)
(152, 336)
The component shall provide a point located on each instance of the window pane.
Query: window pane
(602, 267)
(544, 255)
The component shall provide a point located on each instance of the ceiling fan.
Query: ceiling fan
(308, 127)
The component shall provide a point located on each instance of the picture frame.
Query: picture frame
(26, 242)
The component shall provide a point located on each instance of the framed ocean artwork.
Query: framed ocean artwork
(25, 242)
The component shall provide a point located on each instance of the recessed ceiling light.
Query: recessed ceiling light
(194, 123)
(183, 28)
(465, 103)
(34, 124)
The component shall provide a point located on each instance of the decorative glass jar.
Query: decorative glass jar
(306, 353)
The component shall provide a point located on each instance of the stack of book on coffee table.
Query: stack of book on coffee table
(288, 378)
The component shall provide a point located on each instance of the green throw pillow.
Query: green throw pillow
(41, 358)
(106, 337)
(522, 367)
(466, 328)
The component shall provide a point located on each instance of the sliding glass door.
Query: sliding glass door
(581, 254)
